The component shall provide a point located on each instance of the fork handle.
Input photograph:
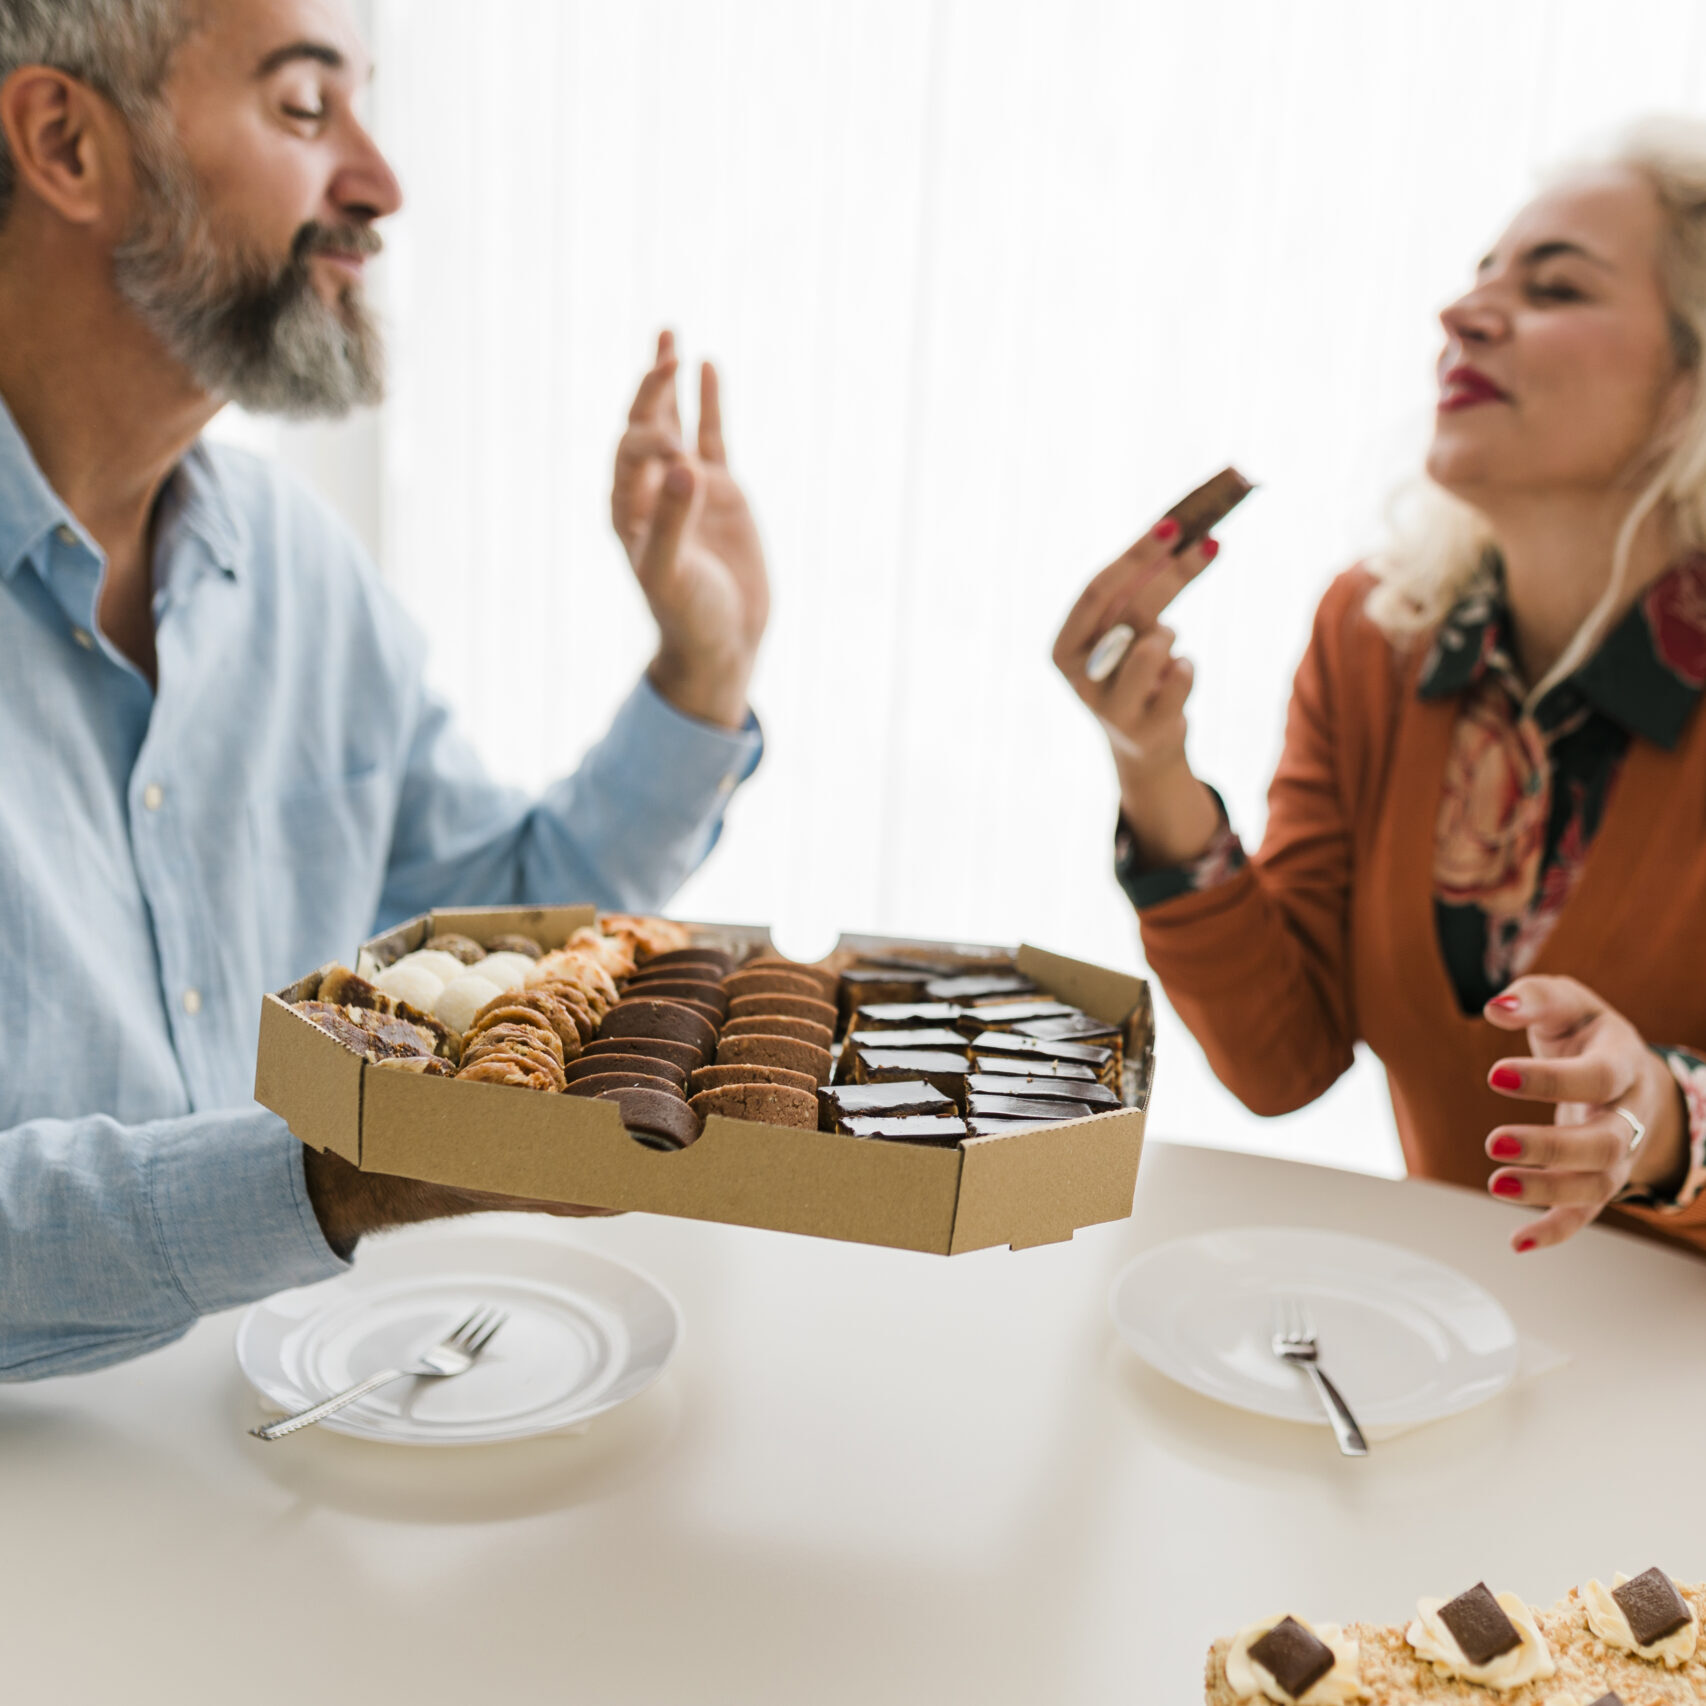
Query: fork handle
(328, 1407)
(1345, 1429)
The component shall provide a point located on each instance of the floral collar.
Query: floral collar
(1646, 676)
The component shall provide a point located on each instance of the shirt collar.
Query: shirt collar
(30, 509)
(1647, 674)
(195, 501)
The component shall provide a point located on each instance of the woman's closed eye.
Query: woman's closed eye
(1554, 290)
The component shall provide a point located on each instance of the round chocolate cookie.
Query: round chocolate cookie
(659, 1122)
(774, 1025)
(770, 1104)
(826, 981)
(463, 948)
(691, 956)
(716, 1077)
(596, 1083)
(684, 1055)
(689, 971)
(786, 1052)
(669, 989)
(523, 945)
(782, 1007)
(771, 982)
(646, 1065)
(667, 1019)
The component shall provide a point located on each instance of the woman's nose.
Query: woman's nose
(1472, 319)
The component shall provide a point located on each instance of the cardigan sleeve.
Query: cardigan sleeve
(1257, 965)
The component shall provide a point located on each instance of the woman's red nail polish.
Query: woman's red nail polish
(1210, 550)
(1524, 1245)
(1506, 1003)
(1507, 1185)
(1506, 1148)
(1505, 1078)
(1165, 530)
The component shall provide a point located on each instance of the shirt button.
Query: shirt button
(65, 534)
(192, 1001)
(83, 638)
(153, 796)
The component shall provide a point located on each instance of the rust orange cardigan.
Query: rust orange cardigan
(1327, 937)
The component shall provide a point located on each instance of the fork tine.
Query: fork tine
(486, 1337)
(1305, 1321)
(456, 1333)
(470, 1329)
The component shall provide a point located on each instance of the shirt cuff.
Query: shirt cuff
(231, 1209)
(675, 767)
(1689, 1071)
(1148, 885)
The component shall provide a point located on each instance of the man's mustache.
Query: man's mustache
(317, 239)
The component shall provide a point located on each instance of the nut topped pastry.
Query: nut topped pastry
(1287, 1659)
(1644, 1615)
(1482, 1637)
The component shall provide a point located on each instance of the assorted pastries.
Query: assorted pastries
(900, 1050)
(1635, 1643)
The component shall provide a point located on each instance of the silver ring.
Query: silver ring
(1637, 1131)
(1109, 652)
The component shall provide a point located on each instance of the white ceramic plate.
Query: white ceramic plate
(1405, 1339)
(584, 1334)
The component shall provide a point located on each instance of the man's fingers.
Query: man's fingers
(711, 417)
(654, 402)
(1596, 1146)
(663, 542)
(1551, 1006)
(1592, 1079)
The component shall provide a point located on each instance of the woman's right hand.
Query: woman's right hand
(1141, 706)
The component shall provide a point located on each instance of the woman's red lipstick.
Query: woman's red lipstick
(1464, 387)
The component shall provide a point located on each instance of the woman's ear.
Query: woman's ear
(69, 148)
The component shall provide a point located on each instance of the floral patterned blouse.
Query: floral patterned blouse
(1525, 788)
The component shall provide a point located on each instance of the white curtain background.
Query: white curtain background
(991, 284)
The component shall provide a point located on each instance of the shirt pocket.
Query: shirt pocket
(318, 851)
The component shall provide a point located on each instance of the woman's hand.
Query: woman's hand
(1141, 706)
(1591, 1061)
(695, 549)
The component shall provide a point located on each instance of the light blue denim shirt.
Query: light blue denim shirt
(167, 857)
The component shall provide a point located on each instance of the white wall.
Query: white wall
(992, 284)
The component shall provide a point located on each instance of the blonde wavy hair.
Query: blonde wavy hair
(1438, 545)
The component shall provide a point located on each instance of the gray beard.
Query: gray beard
(248, 331)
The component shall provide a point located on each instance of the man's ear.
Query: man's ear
(69, 147)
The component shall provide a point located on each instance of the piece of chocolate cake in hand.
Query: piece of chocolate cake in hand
(1199, 512)
(1295, 1657)
(1652, 1606)
(1479, 1626)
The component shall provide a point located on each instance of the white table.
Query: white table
(868, 1478)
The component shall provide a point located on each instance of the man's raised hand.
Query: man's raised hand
(693, 544)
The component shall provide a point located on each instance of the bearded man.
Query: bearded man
(221, 765)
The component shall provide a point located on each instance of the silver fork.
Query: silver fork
(455, 1354)
(1294, 1342)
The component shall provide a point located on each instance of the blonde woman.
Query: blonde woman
(1486, 848)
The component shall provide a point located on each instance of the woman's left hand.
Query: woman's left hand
(1591, 1061)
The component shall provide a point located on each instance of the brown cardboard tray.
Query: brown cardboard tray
(1031, 1187)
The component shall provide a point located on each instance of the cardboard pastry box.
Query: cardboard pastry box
(1029, 1187)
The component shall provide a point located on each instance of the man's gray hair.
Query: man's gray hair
(121, 48)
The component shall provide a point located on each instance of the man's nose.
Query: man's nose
(365, 185)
